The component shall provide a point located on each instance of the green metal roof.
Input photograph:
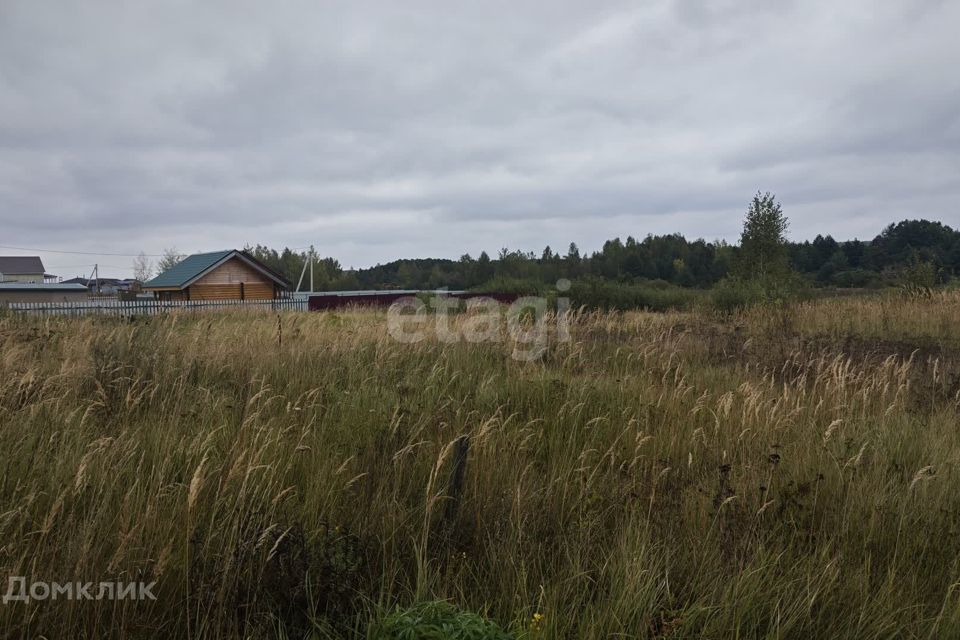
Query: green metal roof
(187, 269)
(192, 267)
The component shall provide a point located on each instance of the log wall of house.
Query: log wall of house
(233, 280)
(215, 292)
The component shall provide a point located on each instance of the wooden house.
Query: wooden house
(221, 275)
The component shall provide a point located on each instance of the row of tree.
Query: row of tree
(671, 258)
(763, 250)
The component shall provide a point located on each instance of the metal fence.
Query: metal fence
(149, 307)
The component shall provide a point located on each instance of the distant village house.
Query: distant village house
(23, 269)
(106, 286)
(220, 275)
(23, 279)
(41, 292)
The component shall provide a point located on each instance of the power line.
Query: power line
(85, 253)
(86, 266)
(116, 255)
(70, 266)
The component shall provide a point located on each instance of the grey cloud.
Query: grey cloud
(382, 130)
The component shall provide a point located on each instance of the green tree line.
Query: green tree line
(658, 259)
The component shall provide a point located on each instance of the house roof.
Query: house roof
(94, 281)
(191, 268)
(21, 265)
(39, 286)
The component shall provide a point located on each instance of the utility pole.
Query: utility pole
(307, 263)
(95, 276)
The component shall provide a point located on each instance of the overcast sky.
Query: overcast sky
(384, 130)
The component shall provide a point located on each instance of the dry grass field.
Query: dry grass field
(787, 472)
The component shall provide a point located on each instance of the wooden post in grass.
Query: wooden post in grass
(458, 475)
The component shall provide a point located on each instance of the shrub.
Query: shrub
(732, 293)
(652, 296)
(918, 278)
(436, 621)
(519, 286)
(856, 278)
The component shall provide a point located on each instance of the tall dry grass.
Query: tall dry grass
(775, 475)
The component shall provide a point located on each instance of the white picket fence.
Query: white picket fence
(150, 307)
